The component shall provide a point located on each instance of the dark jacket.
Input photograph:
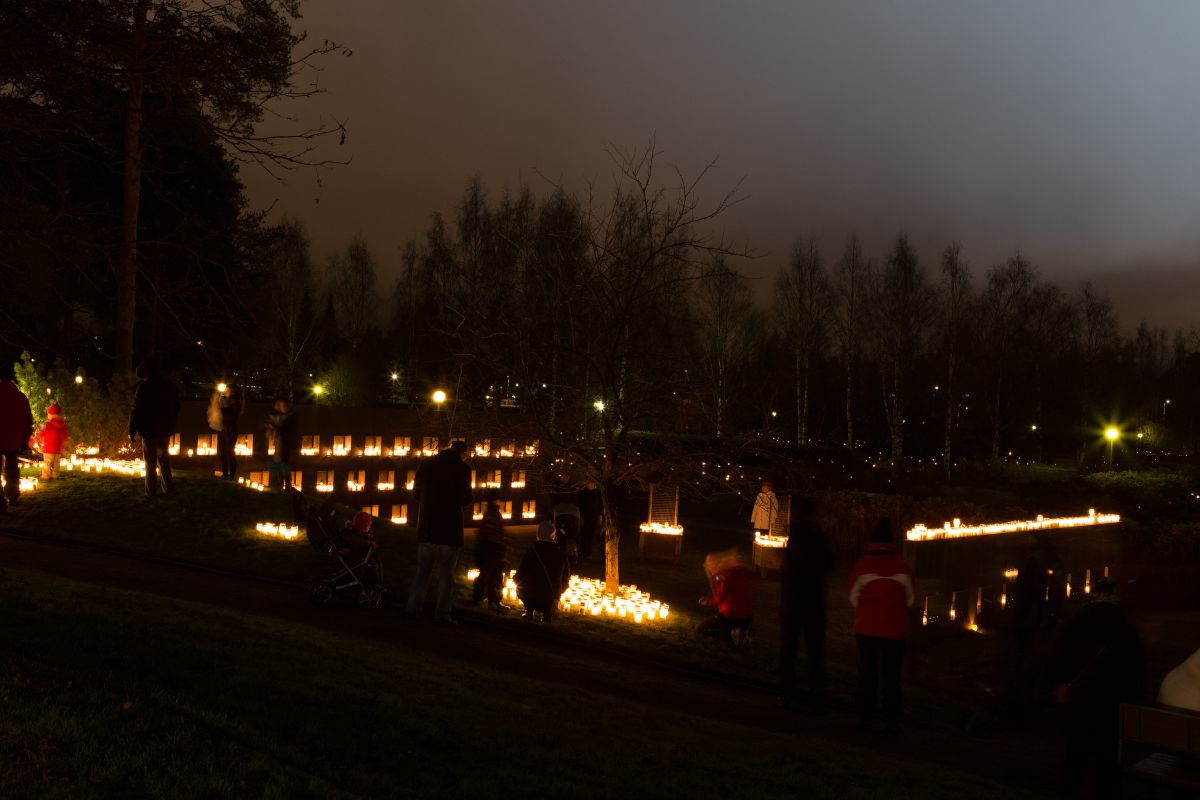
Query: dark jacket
(442, 487)
(806, 565)
(287, 434)
(231, 410)
(155, 408)
(16, 418)
(490, 544)
(1100, 654)
(542, 576)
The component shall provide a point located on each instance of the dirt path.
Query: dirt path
(1014, 758)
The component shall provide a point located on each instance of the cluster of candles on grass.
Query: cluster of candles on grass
(587, 596)
(280, 529)
(763, 539)
(956, 530)
(131, 467)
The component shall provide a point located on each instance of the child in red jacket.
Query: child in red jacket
(732, 581)
(882, 589)
(53, 438)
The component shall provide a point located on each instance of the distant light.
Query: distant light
(1139, 435)
(318, 389)
(439, 397)
(1111, 434)
(79, 379)
(598, 405)
(221, 388)
(395, 376)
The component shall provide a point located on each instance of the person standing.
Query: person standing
(766, 509)
(442, 489)
(591, 510)
(281, 422)
(53, 438)
(491, 546)
(16, 426)
(882, 589)
(153, 416)
(1098, 664)
(230, 406)
(803, 605)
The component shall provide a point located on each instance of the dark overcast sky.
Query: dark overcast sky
(1066, 130)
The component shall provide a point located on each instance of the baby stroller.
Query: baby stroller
(567, 521)
(353, 575)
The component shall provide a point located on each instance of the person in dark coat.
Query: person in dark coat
(491, 547)
(231, 404)
(153, 416)
(591, 511)
(282, 423)
(882, 589)
(16, 426)
(442, 489)
(803, 603)
(542, 575)
(1098, 664)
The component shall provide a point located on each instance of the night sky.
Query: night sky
(1067, 130)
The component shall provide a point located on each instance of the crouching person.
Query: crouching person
(541, 577)
(732, 582)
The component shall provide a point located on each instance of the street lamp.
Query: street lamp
(1111, 434)
(318, 390)
(439, 396)
(599, 406)
(221, 388)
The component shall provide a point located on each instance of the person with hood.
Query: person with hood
(732, 583)
(882, 589)
(442, 489)
(16, 426)
(153, 416)
(1098, 664)
(803, 605)
(52, 438)
(542, 575)
(766, 509)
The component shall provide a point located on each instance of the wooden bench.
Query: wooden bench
(1171, 737)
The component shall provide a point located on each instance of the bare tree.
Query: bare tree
(804, 298)
(351, 280)
(955, 297)
(1004, 301)
(728, 332)
(850, 288)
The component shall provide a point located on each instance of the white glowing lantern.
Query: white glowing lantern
(341, 446)
(244, 445)
(587, 596)
(373, 446)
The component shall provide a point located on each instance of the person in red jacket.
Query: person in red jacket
(16, 425)
(52, 438)
(732, 581)
(882, 589)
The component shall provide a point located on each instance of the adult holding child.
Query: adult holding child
(16, 426)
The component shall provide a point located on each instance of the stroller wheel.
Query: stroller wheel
(320, 591)
(370, 597)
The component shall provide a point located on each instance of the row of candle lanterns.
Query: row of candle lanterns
(956, 530)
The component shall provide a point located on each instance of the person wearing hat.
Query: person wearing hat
(442, 489)
(542, 575)
(16, 425)
(52, 438)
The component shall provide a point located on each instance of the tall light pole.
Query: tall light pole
(1111, 434)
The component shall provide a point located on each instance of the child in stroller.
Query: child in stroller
(353, 550)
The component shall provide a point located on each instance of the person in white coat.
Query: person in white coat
(765, 515)
(1181, 687)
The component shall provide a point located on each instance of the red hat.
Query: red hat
(55, 410)
(362, 521)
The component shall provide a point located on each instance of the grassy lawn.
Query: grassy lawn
(110, 693)
(212, 522)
